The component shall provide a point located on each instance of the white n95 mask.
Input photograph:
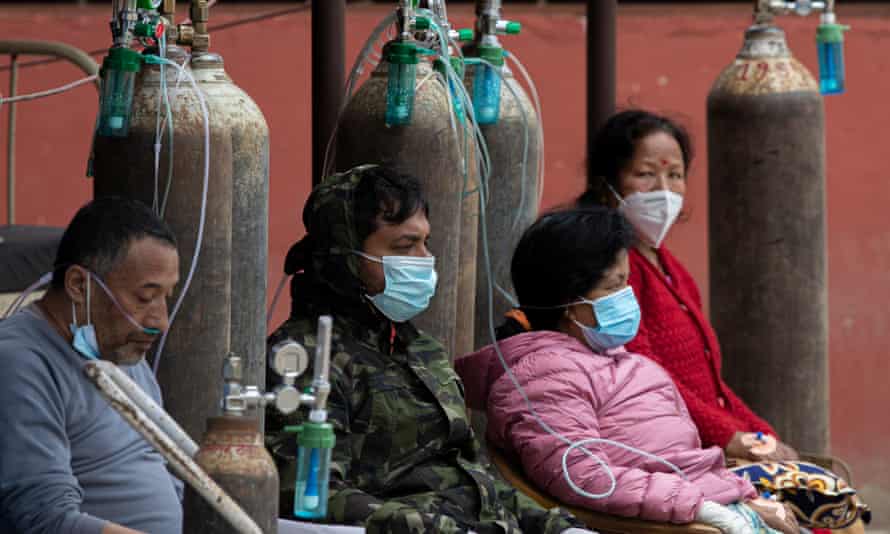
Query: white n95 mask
(652, 213)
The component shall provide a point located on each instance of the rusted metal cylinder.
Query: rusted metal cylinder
(766, 194)
(250, 218)
(513, 193)
(233, 454)
(429, 149)
(469, 247)
(233, 255)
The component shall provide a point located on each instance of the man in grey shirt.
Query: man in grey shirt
(68, 462)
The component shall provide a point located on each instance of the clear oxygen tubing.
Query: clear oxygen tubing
(523, 193)
(524, 168)
(354, 74)
(93, 276)
(284, 279)
(45, 279)
(162, 52)
(580, 444)
(203, 216)
(537, 103)
(49, 92)
(485, 165)
(482, 148)
(169, 123)
(169, 126)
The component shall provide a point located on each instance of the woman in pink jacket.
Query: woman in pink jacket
(565, 349)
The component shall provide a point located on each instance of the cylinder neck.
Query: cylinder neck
(764, 41)
(762, 14)
(248, 427)
(207, 60)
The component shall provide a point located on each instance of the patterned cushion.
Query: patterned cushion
(819, 498)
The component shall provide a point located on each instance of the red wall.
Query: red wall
(668, 58)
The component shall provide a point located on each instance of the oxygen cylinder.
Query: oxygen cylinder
(766, 195)
(513, 192)
(233, 256)
(233, 454)
(426, 147)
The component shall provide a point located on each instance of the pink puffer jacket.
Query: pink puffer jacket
(619, 396)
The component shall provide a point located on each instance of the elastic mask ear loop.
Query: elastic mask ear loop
(89, 321)
(612, 189)
(367, 256)
(73, 314)
(127, 316)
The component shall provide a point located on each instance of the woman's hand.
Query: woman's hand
(741, 445)
(759, 447)
(775, 514)
(786, 453)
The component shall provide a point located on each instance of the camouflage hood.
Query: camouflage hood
(325, 254)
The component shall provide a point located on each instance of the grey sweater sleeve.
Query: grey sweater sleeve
(38, 491)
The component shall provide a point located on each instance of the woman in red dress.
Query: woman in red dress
(638, 165)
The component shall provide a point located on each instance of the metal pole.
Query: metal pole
(601, 16)
(50, 48)
(180, 462)
(328, 52)
(10, 142)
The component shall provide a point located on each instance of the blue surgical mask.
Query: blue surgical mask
(618, 319)
(85, 341)
(410, 284)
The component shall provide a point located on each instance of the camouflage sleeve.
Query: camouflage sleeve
(349, 505)
(398, 518)
(532, 516)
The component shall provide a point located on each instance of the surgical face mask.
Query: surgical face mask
(410, 284)
(85, 341)
(618, 319)
(651, 213)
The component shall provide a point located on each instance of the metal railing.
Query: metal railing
(14, 49)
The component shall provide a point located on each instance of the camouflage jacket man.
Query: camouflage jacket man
(405, 459)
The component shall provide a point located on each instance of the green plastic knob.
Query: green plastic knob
(831, 33)
(465, 34)
(513, 28)
(421, 23)
(492, 54)
(400, 53)
(148, 4)
(124, 59)
(144, 29)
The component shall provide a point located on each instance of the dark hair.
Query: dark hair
(561, 257)
(100, 234)
(614, 146)
(386, 194)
